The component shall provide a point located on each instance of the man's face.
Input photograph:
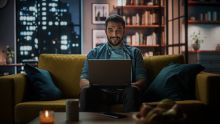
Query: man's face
(115, 33)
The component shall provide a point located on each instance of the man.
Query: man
(93, 98)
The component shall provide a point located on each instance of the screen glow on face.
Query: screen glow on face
(115, 33)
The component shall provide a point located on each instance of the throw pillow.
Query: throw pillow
(40, 85)
(175, 81)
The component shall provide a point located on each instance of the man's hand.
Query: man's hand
(84, 83)
(139, 84)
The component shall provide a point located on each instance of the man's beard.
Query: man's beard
(118, 38)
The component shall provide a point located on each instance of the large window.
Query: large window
(47, 26)
(176, 30)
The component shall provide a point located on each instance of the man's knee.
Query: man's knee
(131, 102)
(88, 93)
(132, 92)
(88, 99)
(86, 90)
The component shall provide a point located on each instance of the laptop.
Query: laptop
(110, 73)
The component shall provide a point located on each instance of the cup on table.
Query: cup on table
(46, 117)
(72, 109)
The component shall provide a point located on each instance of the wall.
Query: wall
(7, 27)
(210, 34)
(7, 24)
(87, 22)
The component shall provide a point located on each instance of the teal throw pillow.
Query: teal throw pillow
(40, 85)
(175, 81)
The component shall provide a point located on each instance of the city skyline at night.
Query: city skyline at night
(46, 26)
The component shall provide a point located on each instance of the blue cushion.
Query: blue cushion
(40, 85)
(175, 81)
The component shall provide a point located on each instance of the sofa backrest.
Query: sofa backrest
(153, 64)
(66, 68)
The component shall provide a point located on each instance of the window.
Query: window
(47, 26)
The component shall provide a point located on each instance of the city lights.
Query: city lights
(46, 26)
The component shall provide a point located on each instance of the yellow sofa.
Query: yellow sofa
(65, 71)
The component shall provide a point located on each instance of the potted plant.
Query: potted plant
(9, 54)
(196, 40)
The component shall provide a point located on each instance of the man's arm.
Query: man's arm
(83, 83)
(139, 84)
(140, 72)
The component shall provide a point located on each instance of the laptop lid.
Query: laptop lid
(110, 73)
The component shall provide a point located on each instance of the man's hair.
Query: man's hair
(115, 18)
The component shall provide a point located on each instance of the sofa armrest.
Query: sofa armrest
(6, 104)
(208, 88)
(12, 88)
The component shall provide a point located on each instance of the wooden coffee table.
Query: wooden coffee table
(89, 118)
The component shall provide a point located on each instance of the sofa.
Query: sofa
(65, 70)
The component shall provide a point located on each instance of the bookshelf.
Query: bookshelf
(145, 24)
(204, 17)
(203, 2)
(202, 22)
(207, 12)
(208, 58)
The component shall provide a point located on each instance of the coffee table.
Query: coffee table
(89, 118)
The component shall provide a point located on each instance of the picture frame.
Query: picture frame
(99, 37)
(99, 13)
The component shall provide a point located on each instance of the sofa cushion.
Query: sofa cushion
(65, 70)
(175, 81)
(40, 85)
(153, 64)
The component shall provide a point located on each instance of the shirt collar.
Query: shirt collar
(122, 46)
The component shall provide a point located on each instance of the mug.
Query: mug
(72, 109)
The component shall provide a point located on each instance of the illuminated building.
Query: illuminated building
(46, 26)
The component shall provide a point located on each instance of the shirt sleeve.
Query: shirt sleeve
(85, 70)
(140, 71)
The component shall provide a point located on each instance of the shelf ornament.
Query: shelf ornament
(196, 40)
(9, 55)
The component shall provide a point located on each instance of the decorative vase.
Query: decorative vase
(195, 46)
(9, 60)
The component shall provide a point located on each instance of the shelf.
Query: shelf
(15, 65)
(204, 51)
(203, 22)
(205, 3)
(139, 7)
(146, 46)
(144, 26)
(10, 65)
(147, 21)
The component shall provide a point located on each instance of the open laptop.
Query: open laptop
(110, 73)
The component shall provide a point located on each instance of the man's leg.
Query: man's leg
(89, 99)
(131, 99)
(94, 100)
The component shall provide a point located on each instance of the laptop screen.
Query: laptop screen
(110, 73)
